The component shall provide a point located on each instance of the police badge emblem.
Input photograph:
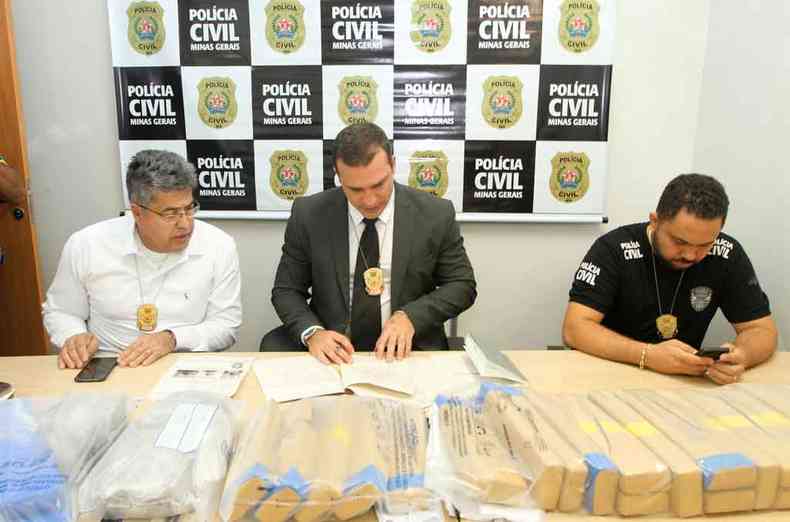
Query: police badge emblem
(358, 99)
(428, 172)
(570, 176)
(431, 29)
(701, 297)
(288, 178)
(579, 25)
(374, 280)
(502, 101)
(146, 29)
(147, 316)
(285, 29)
(217, 105)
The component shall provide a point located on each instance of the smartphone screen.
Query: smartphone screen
(714, 352)
(97, 369)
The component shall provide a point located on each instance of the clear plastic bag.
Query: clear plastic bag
(329, 457)
(471, 459)
(172, 460)
(47, 446)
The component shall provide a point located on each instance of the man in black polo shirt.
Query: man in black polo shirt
(645, 293)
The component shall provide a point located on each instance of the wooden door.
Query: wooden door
(21, 328)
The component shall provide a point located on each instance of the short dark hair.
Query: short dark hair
(150, 171)
(702, 196)
(359, 142)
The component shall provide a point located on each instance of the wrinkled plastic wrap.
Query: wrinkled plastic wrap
(328, 457)
(172, 460)
(46, 448)
(624, 476)
(558, 469)
(735, 474)
(472, 458)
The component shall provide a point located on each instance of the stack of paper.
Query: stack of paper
(220, 375)
(290, 378)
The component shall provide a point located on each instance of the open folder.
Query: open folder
(290, 378)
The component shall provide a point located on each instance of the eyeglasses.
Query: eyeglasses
(172, 215)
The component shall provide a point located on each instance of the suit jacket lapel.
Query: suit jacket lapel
(401, 243)
(338, 226)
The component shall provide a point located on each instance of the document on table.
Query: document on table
(290, 378)
(220, 375)
(492, 363)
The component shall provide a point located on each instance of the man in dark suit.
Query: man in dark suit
(372, 265)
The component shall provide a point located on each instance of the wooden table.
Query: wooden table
(547, 371)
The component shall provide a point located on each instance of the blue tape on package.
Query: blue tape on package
(596, 463)
(441, 400)
(405, 481)
(258, 471)
(714, 463)
(294, 480)
(32, 487)
(368, 475)
(489, 387)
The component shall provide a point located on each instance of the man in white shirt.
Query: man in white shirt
(147, 284)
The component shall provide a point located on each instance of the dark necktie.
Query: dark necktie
(366, 309)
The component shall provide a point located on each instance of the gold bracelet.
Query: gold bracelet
(643, 357)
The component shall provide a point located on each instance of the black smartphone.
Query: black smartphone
(97, 369)
(714, 352)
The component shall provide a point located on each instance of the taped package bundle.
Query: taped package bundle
(724, 417)
(685, 494)
(558, 470)
(624, 475)
(172, 460)
(733, 474)
(46, 448)
(471, 459)
(328, 457)
(771, 416)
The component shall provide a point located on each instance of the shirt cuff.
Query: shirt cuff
(187, 338)
(61, 337)
(308, 332)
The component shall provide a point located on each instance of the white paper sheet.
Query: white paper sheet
(290, 378)
(367, 369)
(221, 375)
(186, 426)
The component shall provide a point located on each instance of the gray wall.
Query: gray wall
(662, 106)
(742, 134)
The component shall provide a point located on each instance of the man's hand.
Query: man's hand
(330, 347)
(77, 350)
(396, 336)
(147, 349)
(730, 366)
(676, 357)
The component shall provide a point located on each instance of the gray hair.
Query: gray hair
(152, 171)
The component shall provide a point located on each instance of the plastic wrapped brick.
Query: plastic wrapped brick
(769, 419)
(172, 460)
(624, 476)
(46, 448)
(329, 457)
(471, 460)
(685, 497)
(558, 468)
(733, 474)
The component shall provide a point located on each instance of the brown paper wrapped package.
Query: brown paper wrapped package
(481, 460)
(685, 498)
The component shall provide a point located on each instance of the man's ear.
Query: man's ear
(137, 212)
(653, 219)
